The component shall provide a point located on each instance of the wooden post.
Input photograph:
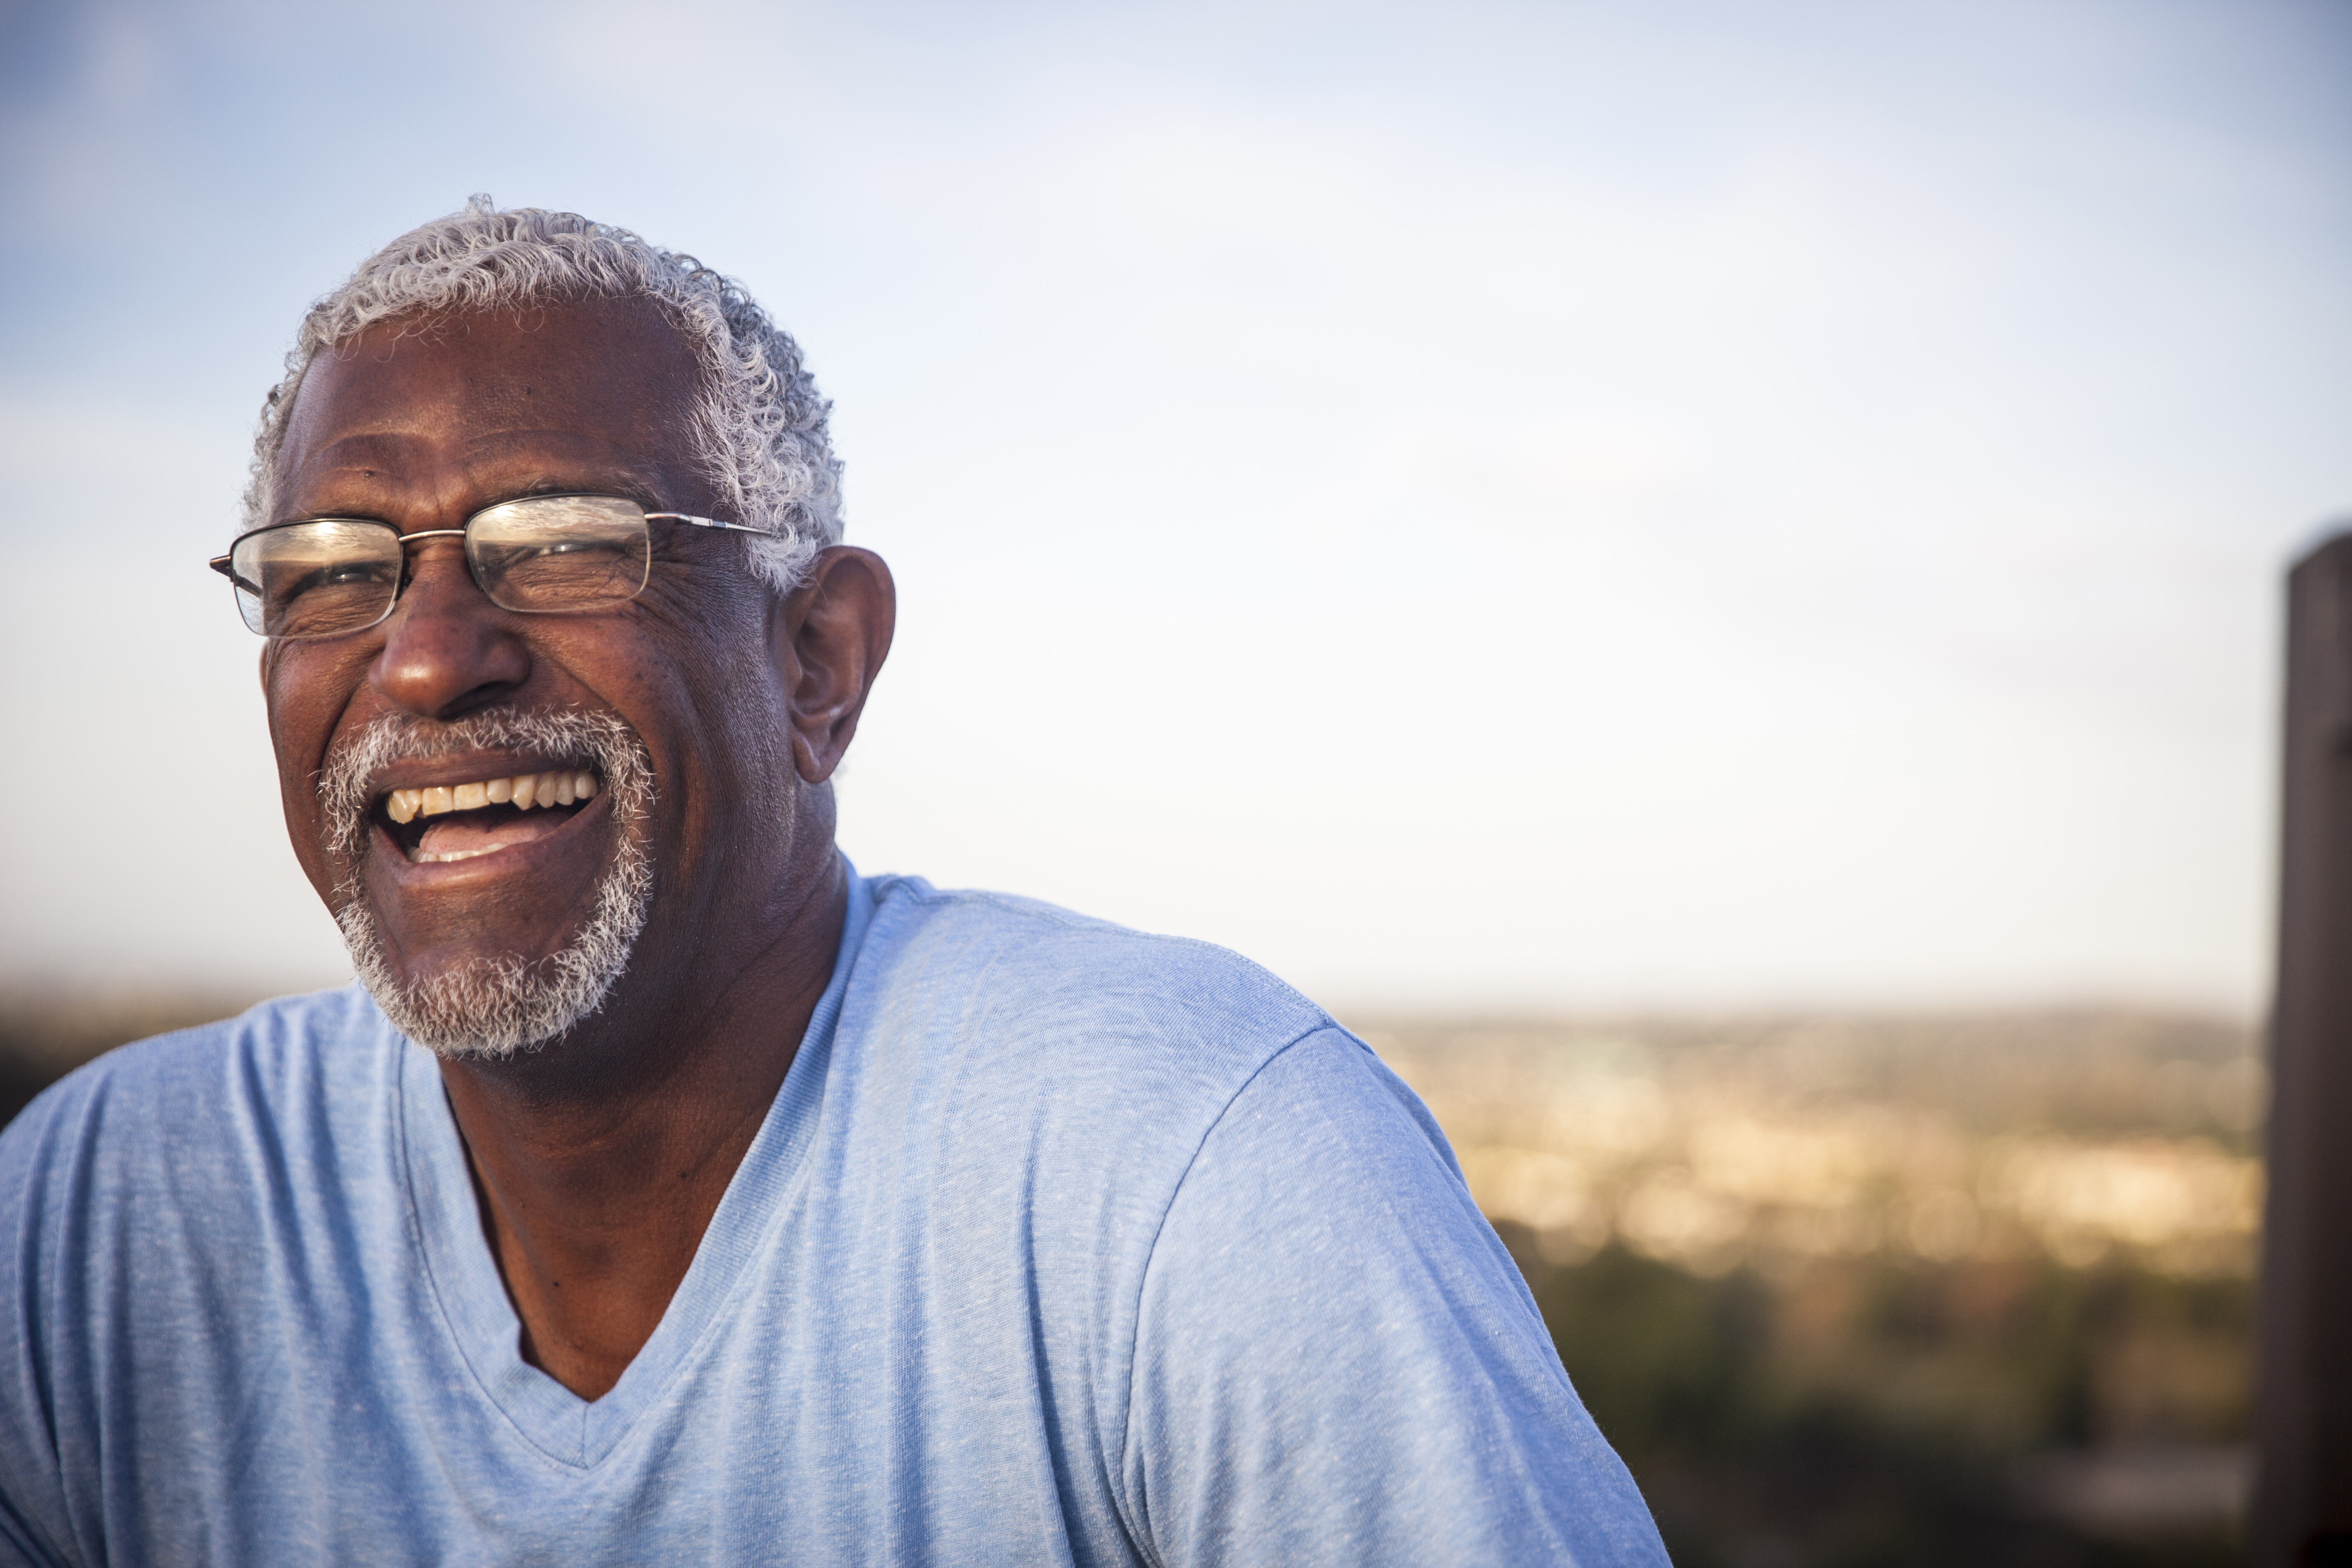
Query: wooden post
(2302, 1491)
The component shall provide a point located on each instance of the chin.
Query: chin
(491, 1008)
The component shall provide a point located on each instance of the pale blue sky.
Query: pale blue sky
(1484, 505)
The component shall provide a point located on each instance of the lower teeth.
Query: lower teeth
(421, 857)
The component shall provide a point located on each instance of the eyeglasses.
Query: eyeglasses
(328, 576)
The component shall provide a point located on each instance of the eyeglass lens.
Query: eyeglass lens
(542, 555)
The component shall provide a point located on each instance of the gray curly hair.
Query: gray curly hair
(758, 429)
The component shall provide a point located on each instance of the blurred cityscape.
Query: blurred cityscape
(1885, 1290)
(1843, 1290)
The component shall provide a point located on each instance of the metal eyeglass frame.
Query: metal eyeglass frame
(223, 564)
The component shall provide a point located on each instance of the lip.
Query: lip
(465, 767)
(540, 854)
(514, 859)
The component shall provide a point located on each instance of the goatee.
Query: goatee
(499, 1006)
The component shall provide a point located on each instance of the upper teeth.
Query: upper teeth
(524, 790)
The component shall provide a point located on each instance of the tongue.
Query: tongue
(466, 834)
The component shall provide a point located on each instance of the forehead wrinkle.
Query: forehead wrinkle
(401, 467)
(497, 449)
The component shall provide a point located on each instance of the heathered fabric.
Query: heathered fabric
(1061, 1244)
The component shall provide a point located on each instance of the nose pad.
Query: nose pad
(447, 648)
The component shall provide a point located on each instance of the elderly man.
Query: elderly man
(665, 1192)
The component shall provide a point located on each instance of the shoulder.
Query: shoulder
(1070, 1057)
(274, 1047)
(1325, 1159)
(1024, 962)
(273, 1083)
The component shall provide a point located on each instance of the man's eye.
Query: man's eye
(336, 574)
(342, 575)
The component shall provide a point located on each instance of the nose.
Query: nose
(447, 648)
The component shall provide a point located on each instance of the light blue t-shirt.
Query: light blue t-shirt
(1060, 1244)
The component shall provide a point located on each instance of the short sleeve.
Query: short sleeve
(1337, 1362)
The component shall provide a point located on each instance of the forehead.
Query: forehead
(444, 409)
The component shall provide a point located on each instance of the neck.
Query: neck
(600, 1160)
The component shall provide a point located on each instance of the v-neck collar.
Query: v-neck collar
(464, 1276)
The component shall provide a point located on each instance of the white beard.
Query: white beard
(494, 1008)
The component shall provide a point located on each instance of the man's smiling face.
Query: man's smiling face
(658, 725)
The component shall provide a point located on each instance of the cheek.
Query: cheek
(305, 690)
(694, 659)
(732, 731)
(713, 713)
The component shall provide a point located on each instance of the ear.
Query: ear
(833, 634)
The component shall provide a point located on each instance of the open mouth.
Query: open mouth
(438, 823)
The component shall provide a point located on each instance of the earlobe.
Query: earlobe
(836, 629)
(813, 767)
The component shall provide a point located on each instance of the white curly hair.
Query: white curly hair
(758, 429)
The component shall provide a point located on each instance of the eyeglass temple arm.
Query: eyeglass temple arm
(223, 564)
(708, 522)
